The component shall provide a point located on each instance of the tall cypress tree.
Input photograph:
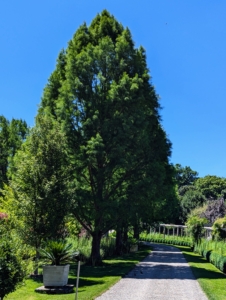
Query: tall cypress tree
(101, 94)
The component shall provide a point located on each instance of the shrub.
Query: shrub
(11, 270)
(218, 232)
(195, 228)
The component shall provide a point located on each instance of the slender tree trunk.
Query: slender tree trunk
(95, 253)
(118, 243)
(37, 256)
(125, 234)
(136, 233)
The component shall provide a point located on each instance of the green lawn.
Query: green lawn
(212, 281)
(93, 280)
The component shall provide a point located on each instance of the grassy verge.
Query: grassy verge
(212, 281)
(93, 280)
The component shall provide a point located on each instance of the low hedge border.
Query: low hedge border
(167, 241)
(211, 256)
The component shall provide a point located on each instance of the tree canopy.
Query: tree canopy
(211, 186)
(185, 175)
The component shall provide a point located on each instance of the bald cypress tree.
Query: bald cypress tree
(101, 94)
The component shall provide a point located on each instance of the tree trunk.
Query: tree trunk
(95, 253)
(37, 256)
(125, 234)
(118, 243)
(136, 233)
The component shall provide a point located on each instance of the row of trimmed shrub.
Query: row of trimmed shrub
(212, 251)
(211, 255)
(172, 241)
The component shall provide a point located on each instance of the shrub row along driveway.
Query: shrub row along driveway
(163, 275)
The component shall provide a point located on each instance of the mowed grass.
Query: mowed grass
(212, 281)
(93, 280)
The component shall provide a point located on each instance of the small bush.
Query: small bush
(11, 270)
(218, 233)
(195, 228)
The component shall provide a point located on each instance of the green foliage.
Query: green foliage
(211, 186)
(11, 271)
(12, 268)
(84, 247)
(12, 135)
(198, 211)
(218, 229)
(185, 176)
(101, 95)
(195, 228)
(190, 200)
(39, 176)
(214, 252)
(58, 252)
(72, 226)
(107, 247)
(166, 239)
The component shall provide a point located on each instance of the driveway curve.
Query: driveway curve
(162, 275)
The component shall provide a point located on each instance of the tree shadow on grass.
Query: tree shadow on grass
(83, 282)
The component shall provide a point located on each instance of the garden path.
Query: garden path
(162, 275)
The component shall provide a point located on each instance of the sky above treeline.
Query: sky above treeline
(185, 45)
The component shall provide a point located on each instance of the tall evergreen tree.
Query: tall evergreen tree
(12, 135)
(102, 96)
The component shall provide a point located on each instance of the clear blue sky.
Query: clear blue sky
(185, 41)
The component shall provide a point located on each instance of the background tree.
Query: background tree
(39, 174)
(192, 199)
(101, 95)
(12, 135)
(211, 186)
(185, 175)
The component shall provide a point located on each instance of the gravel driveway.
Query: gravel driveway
(162, 275)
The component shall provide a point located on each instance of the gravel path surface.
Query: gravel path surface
(162, 275)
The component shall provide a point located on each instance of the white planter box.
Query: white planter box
(55, 275)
